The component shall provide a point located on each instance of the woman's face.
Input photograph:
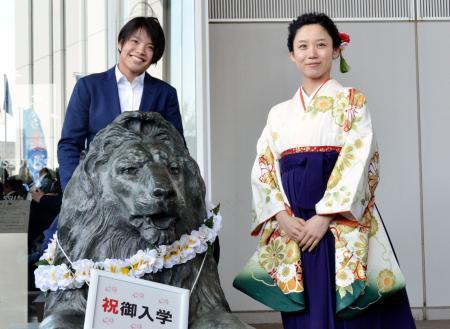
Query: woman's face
(313, 52)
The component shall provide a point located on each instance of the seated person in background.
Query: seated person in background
(56, 184)
(13, 190)
(45, 179)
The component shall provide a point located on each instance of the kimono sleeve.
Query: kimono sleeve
(267, 195)
(352, 183)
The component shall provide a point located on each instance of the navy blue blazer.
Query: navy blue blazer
(95, 103)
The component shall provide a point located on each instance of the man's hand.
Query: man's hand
(292, 226)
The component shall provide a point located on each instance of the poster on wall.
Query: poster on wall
(34, 147)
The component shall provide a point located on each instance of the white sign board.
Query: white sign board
(14, 216)
(118, 301)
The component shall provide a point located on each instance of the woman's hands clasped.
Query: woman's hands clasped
(306, 233)
(292, 226)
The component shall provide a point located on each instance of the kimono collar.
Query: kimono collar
(319, 91)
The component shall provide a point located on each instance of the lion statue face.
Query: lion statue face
(147, 182)
(138, 184)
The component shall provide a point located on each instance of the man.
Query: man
(98, 99)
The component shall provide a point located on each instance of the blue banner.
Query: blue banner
(34, 147)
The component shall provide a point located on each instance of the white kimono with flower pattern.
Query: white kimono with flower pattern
(335, 117)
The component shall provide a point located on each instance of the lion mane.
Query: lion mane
(136, 186)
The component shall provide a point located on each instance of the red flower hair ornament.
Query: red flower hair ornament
(345, 40)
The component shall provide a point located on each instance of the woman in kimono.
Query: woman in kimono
(313, 181)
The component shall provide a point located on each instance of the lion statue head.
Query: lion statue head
(137, 186)
(137, 180)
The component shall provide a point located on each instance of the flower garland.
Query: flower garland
(51, 276)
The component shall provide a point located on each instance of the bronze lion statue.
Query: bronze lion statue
(136, 186)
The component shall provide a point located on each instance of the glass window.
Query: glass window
(7, 78)
(182, 66)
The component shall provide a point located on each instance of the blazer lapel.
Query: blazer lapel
(112, 92)
(148, 94)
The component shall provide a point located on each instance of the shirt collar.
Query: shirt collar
(120, 77)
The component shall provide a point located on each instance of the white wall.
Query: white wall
(250, 72)
(434, 51)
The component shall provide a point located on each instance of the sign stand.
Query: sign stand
(119, 301)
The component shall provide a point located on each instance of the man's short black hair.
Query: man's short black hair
(313, 18)
(153, 29)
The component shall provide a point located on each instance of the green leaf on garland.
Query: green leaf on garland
(42, 262)
(216, 209)
(210, 222)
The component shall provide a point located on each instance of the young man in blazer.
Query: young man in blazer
(98, 99)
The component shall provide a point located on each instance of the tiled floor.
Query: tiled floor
(420, 325)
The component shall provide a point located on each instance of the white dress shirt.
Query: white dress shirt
(130, 94)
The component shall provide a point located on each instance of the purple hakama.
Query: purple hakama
(304, 178)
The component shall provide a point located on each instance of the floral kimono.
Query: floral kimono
(334, 129)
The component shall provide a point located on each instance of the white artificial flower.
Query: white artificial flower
(199, 245)
(158, 265)
(217, 223)
(50, 253)
(153, 260)
(187, 254)
(138, 263)
(170, 262)
(82, 270)
(194, 241)
(206, 234)
(41, 275)
(162, 250)
(173, 255)
(54, 275)
(111, 265)
(66, 281)
(125, 267)
(184, 248)
(184, 240)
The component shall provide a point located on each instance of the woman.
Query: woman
(98, 99)
(313, 185)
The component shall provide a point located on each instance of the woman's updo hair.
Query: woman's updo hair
(313, 18)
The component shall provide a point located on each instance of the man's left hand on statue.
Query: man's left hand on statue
(314, 229)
